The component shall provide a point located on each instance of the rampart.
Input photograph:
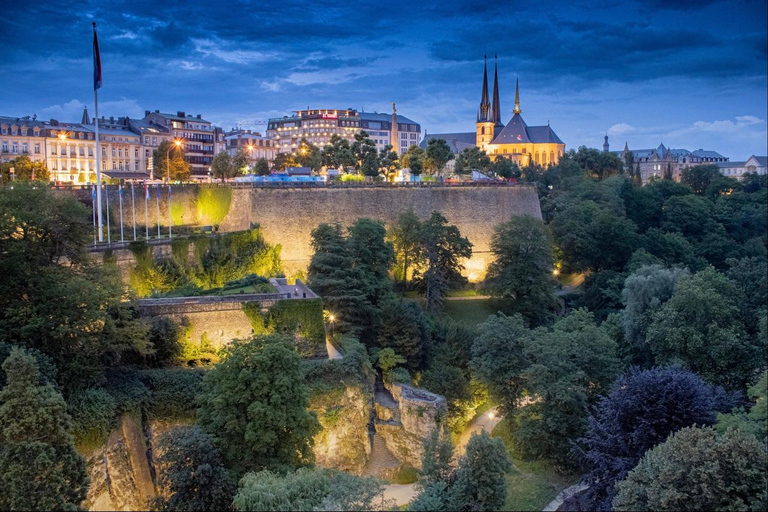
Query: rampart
(287, 215)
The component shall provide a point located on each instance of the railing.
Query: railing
(214, 299)
(337, 184)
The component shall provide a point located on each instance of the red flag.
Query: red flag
(96, 60)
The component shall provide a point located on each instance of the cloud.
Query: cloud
(621, 128)
(217, 48)
(72, 110)
(725, 126)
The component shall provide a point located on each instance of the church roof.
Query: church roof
(516, 131)
(457, 141)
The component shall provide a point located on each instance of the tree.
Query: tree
(338, 154)
(699, 177)
(387, 360)
(505, 168)
(262, 167)
(571, 366)
(645, 291)
(239, 163)
(254, 403)
(24, 168)
(413, 159)
(443, 247)
(388, 160)
(499, 358)
(333, 275)
(225, 166)
(700, 328)
(373, 256)
(437, 462)
(481, 478)
(472, 159)
(180, 169)
(402, 327)
(309, 489)
(755, 421)
(364, 150)
(39, 467)
(642, 408)
(597, 164)
(72, 313)
(309, 155)
(405, 235)
(520, 276)
(479, 482)
(437, 154)
(283, 160)
(194, 475)
(169, 155)
(696, 469)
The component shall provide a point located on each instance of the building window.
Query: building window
(37, 148)
(5, 147)
(24, 148)
(113, 152)
(15, 147)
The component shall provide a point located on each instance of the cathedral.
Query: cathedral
(516, 140)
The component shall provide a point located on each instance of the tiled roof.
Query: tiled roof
(707, 154)
(515, 132)
(368, 116)
(457, 141)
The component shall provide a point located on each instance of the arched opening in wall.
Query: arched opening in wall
(482, 130)
(552, 157)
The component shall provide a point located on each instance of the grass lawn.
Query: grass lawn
(472, 312)
(533, 484)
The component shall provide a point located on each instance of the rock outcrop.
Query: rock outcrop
(343, 443)
(405, 417)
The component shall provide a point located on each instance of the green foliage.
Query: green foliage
(301, 318)
(387, 360)
(645, 291)
(499, 357)
(700, 328)
(755, 421)
(262, 167)
(505, 168)
(437, 154)
(93, 412)
(24, 169)
(443, 248)
(39, 468)
(405, 235)
(406, 474)
(213, 204)
(309, 489)
(699, 177)
(44, 364)
(571, 366)
(352, 178)
(195, 477)
(255, 404)
(520, 276)
(173, 392)
(413, 159)
(167, 339)
(338, 154)
(437, 463)
(597, 164)
(366, 157)
(403, 328)
(472, 159)
(127, 388)
(696, 469)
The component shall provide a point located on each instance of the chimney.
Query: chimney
(157, 111)
(112, 119)
(199, 116)
(181, 114)
(146, 113)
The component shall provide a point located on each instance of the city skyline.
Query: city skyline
(692, 77)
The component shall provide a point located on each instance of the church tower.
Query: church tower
(485, 124)
(496, 109)
(606, 146)
(517, 110)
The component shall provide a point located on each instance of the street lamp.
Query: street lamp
(177, 144)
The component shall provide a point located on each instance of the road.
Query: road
(402, 494)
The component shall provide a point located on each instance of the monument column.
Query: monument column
(393, 132)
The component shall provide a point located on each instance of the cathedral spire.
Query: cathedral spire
(517, 110)
(496, 109)
(86, 119)
(485, 105)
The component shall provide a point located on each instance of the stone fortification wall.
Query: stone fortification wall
(288, 215)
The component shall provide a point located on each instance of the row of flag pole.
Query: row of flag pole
(98, 235)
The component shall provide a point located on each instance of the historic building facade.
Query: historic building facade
(319, 125)
(523, 144)
(199, 137)
(253, 144)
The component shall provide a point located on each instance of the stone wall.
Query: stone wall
(287, 215)
(418, 413)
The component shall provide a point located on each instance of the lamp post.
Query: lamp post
(177, 144)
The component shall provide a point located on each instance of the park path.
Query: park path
(402, 494)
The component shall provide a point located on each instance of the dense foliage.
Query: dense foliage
(254, 403)
(39, 468)
(641, 410)
(697, 469)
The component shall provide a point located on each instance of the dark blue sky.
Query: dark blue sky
(689, 74)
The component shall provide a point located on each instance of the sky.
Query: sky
(689, 74)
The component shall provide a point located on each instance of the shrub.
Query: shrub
(166, 337)
(406, 474)
(127, 389)
(173, 392)
(356, 178)
(93, 412)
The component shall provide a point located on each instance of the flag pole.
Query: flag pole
(93, 209)
(120, 193)
(133, 209)
(96, 85)
(146, 211)
(170, 219)
(109, 235)
(157, 203)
